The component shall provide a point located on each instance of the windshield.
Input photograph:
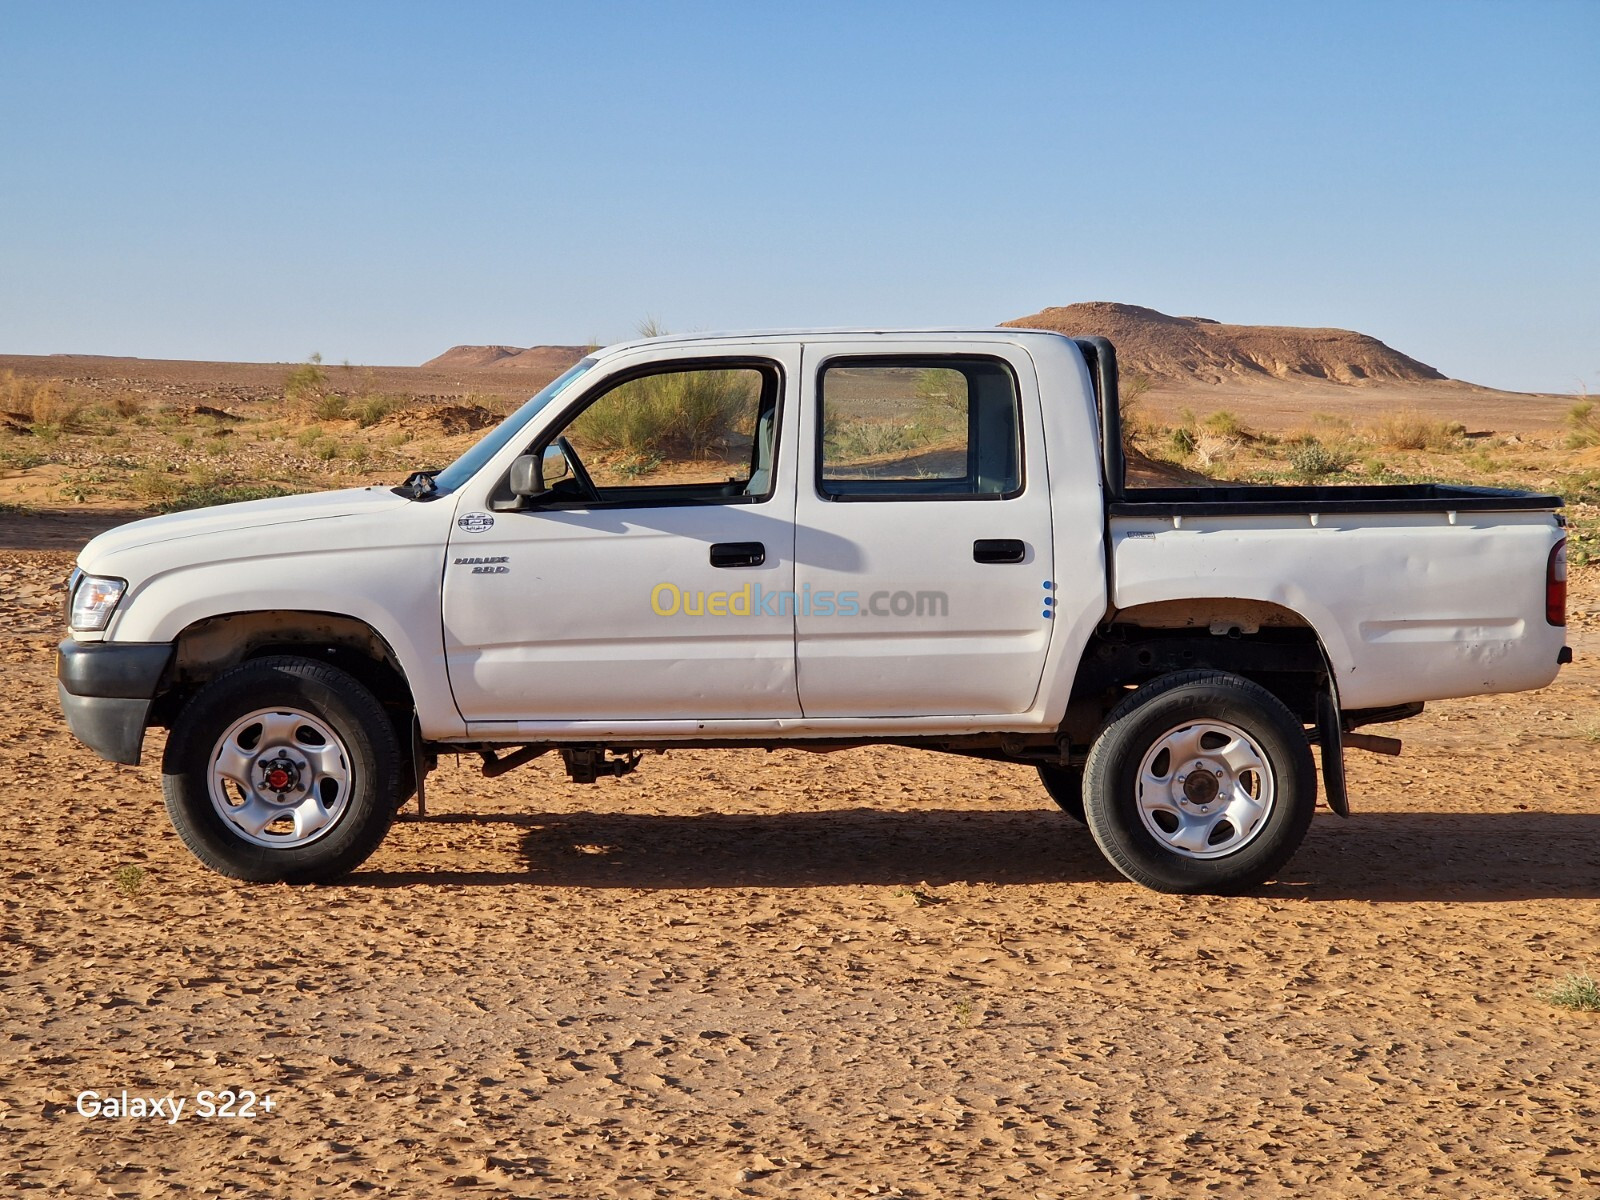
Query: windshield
(468, 465)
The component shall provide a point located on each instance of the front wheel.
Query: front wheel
(1200, 782)
(282, 769)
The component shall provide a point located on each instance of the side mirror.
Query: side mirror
(525, 480)
(533, 476)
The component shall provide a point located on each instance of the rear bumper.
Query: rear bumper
(106, 689)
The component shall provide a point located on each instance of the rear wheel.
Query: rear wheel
(282, 769)
(1200, 782)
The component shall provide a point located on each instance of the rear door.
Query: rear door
(923, 532)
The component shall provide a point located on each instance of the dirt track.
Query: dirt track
(872, 973)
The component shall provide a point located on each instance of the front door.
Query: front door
(923, 551)
(641, 589)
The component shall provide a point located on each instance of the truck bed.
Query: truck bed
(1296, 499)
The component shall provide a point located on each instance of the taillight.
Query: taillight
(1555, 585)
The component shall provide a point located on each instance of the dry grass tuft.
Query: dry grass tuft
(1580, 993)
(1410, 430)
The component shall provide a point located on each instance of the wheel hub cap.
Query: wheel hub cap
(281, 775)
(280, 778)
(1205, 789)
(1200, 785)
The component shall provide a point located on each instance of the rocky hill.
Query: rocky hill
(550, 359)
(1188, 349)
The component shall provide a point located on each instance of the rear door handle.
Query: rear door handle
(738, 554)
(999, 550)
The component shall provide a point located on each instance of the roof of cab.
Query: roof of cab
(960, 333)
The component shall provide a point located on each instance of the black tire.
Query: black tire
(1065, 785)
(323, 761)
(1174, 835)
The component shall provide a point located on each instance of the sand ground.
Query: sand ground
(875, 973)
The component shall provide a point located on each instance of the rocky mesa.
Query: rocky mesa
(1198, 349)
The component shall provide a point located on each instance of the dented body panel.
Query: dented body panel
(1408, 607)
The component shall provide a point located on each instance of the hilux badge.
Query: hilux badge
(476, 522)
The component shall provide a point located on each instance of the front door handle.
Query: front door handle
(738, 554)
(999, 550)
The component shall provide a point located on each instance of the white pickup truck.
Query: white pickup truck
(817, 540)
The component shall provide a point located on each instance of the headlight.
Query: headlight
(93, 600)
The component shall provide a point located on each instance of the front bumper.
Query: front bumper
(106, 689)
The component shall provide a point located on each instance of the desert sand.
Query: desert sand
(873, 973)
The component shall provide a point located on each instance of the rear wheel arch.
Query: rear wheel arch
(1268, 644)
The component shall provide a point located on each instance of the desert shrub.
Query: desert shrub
(679, 414)
(371, 409)
(1410, 430)
(153, 488)
(632, 466)
(1225, 424)
(43, 405)
(942, 392)
(854, 440)
(309, 391)
(166, 492)
(331, 407)
(1131, 389)
(307, 381)
(1581, 993)
(21, 460)
(1181, 441)
(1213, 449)
(204, 495)
(308, 437)
(128, 404)
(1310, 459)
(1584, 420)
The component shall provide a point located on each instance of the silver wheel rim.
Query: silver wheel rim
(280, 778)
(1205, 789)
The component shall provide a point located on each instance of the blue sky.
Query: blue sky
(377, 182)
